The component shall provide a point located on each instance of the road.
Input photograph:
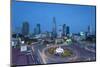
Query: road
(81, 55)
(36, 53)
(34, 56)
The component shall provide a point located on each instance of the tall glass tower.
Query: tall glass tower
(25, 28)
(38, 29)
(68, 30)
(54, 30)
(64, 30)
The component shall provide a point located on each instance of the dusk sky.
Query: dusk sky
(75, 16)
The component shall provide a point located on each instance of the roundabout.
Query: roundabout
(60, 53)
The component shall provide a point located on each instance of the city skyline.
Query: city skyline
(65, 14)
(47, 33)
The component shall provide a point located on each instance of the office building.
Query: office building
(54, 30)
(25, 28)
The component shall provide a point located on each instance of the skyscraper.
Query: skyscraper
(89, 30)
(64, 30)
(67, 30)
(38, 29)
(25, 28)
(54, 30)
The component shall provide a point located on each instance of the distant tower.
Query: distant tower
(67, 30)
(60, 31)
(25, 28)
(54, 30)
(38, 29)
(89, 31)
(64, 30)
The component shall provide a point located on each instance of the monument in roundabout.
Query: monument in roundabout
(59, 51)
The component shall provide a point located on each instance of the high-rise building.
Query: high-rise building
(25, 28)
(38, 29)
(89, 30)
(64, 30)
(67, 30)
(54, 30)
